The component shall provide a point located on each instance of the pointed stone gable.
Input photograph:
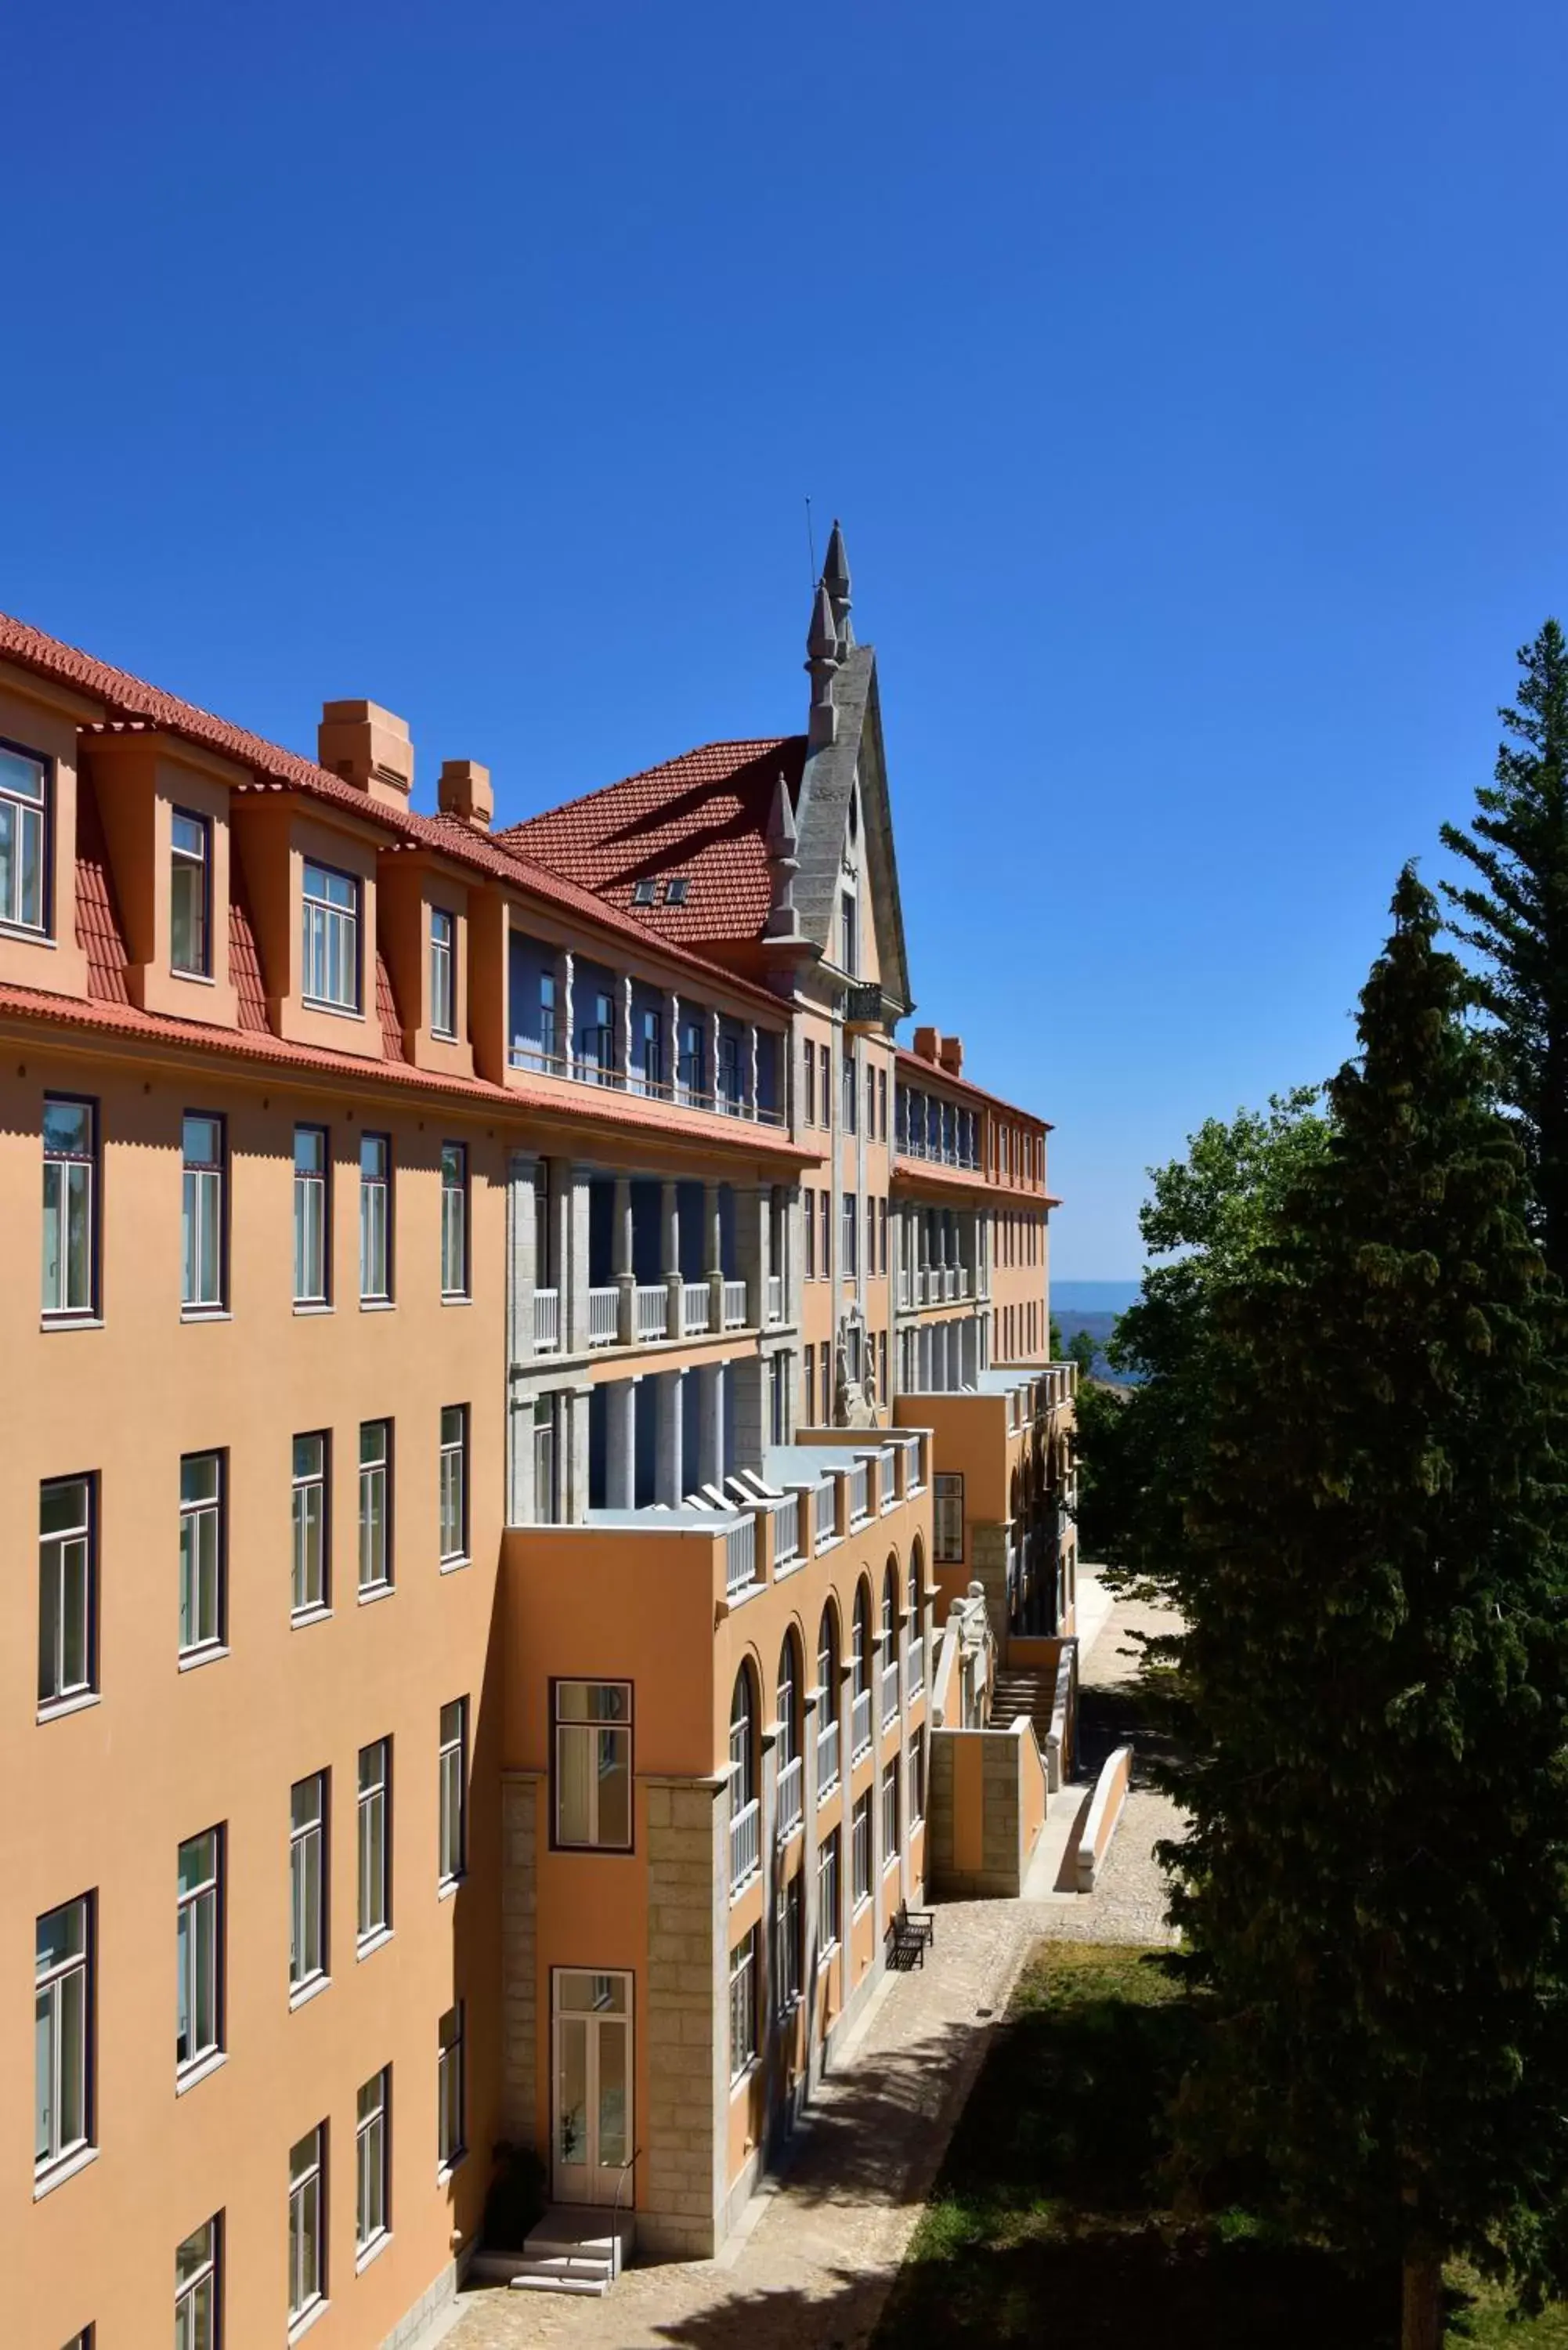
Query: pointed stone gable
(822, 819)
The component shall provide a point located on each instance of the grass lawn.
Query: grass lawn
(1044, 2226)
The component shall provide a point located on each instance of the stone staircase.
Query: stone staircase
(574, 2250)
(1017, 1692)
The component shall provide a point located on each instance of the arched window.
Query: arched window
(891, 1612)
(789, 1702)
(827, 1665)
(742, 1743)
(915, 1581)
(861, 1645)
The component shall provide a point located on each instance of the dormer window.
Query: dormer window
(675, 889)
(190, 894)
(642, 892)
(23, 806)
(444, 972)
(331, 938)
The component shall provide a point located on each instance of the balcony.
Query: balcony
(696, 1308)
(594, 1067)
(745, 1844)
(906, 1284)
(915, 1671)
(792, 1796)
(734, 1305)
(652, 1315)
(860, 1723)
(825, 1513)
(775, 1306)
(547, 1321)
(826, 1760)
(890, 1691)
(604, 1317)
(860, 1493)
(741, 1557)
(786, 1532)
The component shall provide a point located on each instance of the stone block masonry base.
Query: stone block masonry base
(681, 2187)
(520, 1956)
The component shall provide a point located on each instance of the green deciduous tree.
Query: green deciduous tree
(1374, 1676)
(1515, 914)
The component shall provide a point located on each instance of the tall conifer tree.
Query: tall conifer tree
(1516, 915)
(1375, 1666)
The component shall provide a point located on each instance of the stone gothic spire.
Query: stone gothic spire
(784, 921)
(821, 662)
(836, 579)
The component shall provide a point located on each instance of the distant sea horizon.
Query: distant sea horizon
(1093, 1296)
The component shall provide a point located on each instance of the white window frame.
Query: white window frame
(310, 1883)
(70, 1216)
(311, 1594)
(201, 1187)
(26, 823)
(789, 1941)
(68, 1562)
(743, 2050)
(452, 1484)
(451, 1822)
(828, 1893)
(199, 1950)
(198, 2286)
(202, 1595)
(373, 1835)
(375, 1507)
(376, 1222)
(917, 1777)
(191, 859)
(451, 2089)
(454, 1275)
(63, 2006)
(946, 1494)
(443, 973)
(609, 1739)
(331, 903)
(862, 1869)
(372, 2161)
(308, 2223)
(313, 1220)
(890, 1809)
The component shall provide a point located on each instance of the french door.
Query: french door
(591, 2094)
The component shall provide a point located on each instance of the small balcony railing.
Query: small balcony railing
(734, 1305)
(960, 1281)
(915, 1671)
(775, 1298)
(826, 1759)
(594, 1063)
(859, 1497)
(547, 1321)
(949, 1281)
(696, 1305)
(786, 1530)
(860, 1723)
(745, 1844)
(741, 1556)
(824, 1514)
(905, 1281)
(653, 1310)
(792, 1796)
(890, 1691)
(604, 1317)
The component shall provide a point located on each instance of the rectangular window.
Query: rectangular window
(545, 1500)
(851, 1087)
(548, 1035)
(882, 1244)
(827, 1892)
(824, 1073)
(825, 1217)
(190, 894)
(24, 781)
(312, 1255)
(68, 1591)
(329, 973)
(860, 1852)
(199, 2021)
(729, 1077)
(201, 1214)
(452, 2136)
(62, 2110)
(917, 1777)
(946, 1518)
(312, 1578)
(198, 2288)
(808, 1386)
(453, 1220)
(849, 934)
(375, 1219)
(788, 1940)
(808, 1083)
(306, 2218)
(453, 1483)
(308, 1880)
(648, 1065)
(71, 1206)
(809, 1198)
(851, 1205)
(890, 1812)
(778, 1395)
(374, 1839)
(452, 1764)
(691, 1072)
(743, 2006)
(593, 1765)
(444, 972)
(871, 1105)
(372, 2161)
(374, 1505)
(201, 1553)
(882, 1104)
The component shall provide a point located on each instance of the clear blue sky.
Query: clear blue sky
(1191, 381)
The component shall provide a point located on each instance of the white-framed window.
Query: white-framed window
(67, 1590)
(453, 1483)
(452, 1857)
(453, 1220)
(199, 2287)
(946, 1517)
(890, 1812)
(308, 1891)
(848, 933)
(827, 1925)
(745, 1839)
(444, 972)
(808, 1202)
(199, 1950)
(824, 1088)
(202, 1551)
(917, 1777)
(70, 1208)
(808, 1084)
(851, 1228)
(593, 1765)
(860, 1848)
(826, 1704)
(545, 1499)
(202, 1249)
(312, 1243)
(849, 1084)
(372, 2161)
(24, 796)
(330, 971)
(375, 1840)
(190, 894)
(306, 2222)
(375, 1505)
(789, 1937)
(375, 1219)
(743, 2005)
(451, 2090)
(312, 1576)
(62, 2106)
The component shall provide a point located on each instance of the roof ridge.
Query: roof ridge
(754, 743)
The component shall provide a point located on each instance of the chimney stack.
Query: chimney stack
(465, 792)
(950, 1055)
(369, 748)
(929, 1044)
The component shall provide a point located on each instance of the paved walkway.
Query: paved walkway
(813, 2260)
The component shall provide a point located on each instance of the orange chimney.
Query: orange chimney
(367, 746)
(929, 1044)
(950, 1053)
(465, 792)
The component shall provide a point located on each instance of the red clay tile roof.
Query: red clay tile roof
(128, 698)
(386, 1012)
(915, 1064)
(244, 962)
(99, 933)
(703, 815)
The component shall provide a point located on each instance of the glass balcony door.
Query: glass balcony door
(591, 2094)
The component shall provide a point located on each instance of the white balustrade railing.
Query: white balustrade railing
(826, 1758)
(546, 1320)
(604, 1317)
(860, 1723)
(653, 1310)
(949, 1281)
(859, 1499)
(734, 1304)
(696, 1303)
(890, 1691)
(786, 1530)
(914, 1479)
(887, 1483)
(915, 1669)
(745, 1844)
(792, 1796)
(775, 1298)
(960, 1281)
(741, 1556)
(904, 1284)
(825, 1513)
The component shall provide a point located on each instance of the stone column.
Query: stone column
(520, 1494)
(574, 1472)
(522, 1175)
(672, 1039)
(752, 1249)
(670, 1230)
(565, 1043)
(620, 1040)
(621, 1261)
(620, 1444)
(713, 1255)
(710, 1402)
(668, 1437)
(574, 1267)
(713, 1024)
(749, 1075)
